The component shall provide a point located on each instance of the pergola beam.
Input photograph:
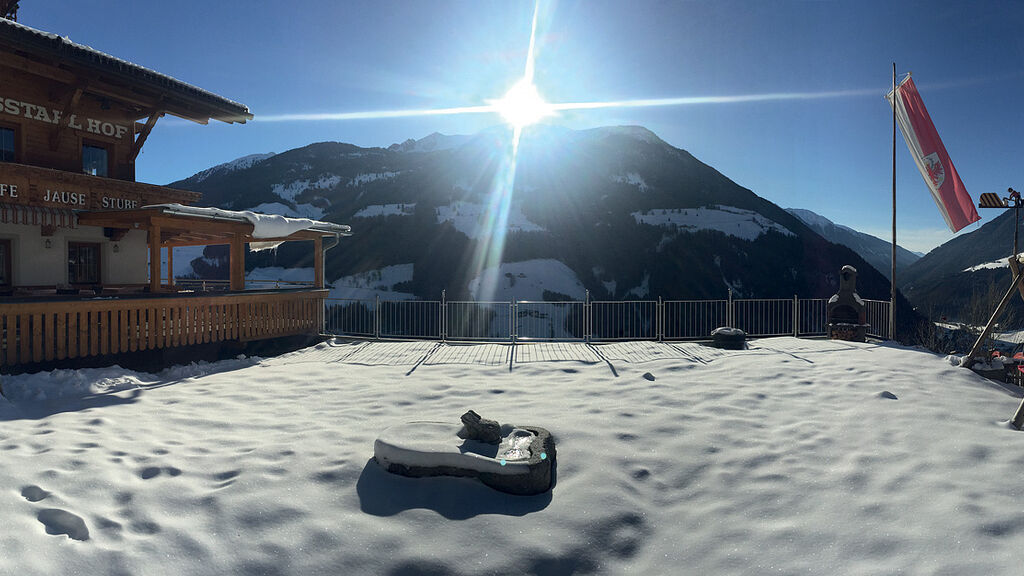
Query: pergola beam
(144, 133)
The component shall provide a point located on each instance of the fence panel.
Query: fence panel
(693, 319)
(763, 317)
(478, 320)
(625, 320)
(812, 317)
(409, 319)
(549, 320)
(350, 317)
(878, 318)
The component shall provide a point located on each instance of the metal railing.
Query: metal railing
(878, 312)
(585, 320)
(207, 285)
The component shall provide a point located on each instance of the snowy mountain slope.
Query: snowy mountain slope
(948, 278)
(876, 251)
(621, 209)
(236, 164)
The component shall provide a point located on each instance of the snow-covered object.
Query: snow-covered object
(300, 211)
(436, 444)
(743, 224)
(518, 462)
(264, 225)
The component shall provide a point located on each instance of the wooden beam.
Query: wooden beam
(65, 115)
(170, 265)
(141, 138)
(237, 263)
(118, 91)
(154, 258)
(318, 262)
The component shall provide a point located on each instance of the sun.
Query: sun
(522, 105)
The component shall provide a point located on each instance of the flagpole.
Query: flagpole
(892, 279)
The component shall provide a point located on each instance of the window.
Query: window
(5, 263)
(83, 263)
(7, 145)
(95, 160)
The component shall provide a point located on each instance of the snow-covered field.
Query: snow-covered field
(374, 283)
(795, 456)
(737, 222)
(526, 280)
(470, 218)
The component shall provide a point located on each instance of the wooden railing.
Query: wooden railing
(44, 331)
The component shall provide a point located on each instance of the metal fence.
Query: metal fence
(586, 320)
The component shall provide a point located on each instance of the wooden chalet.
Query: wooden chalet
(81, 241)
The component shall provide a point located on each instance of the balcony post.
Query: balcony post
(318, 263)
(170, 266)
(154, 258)
(237, 263)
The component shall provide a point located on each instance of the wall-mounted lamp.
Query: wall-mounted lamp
(116, 248)
(48, 244)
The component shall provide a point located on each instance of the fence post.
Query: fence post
(796, 316)
(587, 320)
(444, 316)
(729, 312)
(515, 320)
(892, 325)
(376, 317)
(659, 315)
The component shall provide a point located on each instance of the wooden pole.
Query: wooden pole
(237, 263)
(154, 258)
(170, 266)
(318, 262)
(892, 278)
(1014, 286)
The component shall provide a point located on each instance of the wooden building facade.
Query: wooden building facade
(81, 240)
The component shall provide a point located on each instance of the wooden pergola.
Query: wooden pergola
(169, 228)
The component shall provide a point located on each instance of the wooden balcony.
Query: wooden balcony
(37, 331)
(79, 191)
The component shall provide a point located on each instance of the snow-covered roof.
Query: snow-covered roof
(25, 38)
(264, 225)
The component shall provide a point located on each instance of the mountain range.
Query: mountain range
(951, 279)
(876, 251)
(615, 211)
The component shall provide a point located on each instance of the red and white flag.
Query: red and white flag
(931, 158)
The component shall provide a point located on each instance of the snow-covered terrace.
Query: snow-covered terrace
(36, 329)
(791, 457)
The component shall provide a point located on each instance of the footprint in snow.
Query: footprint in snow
(59, 521)
(34, 493)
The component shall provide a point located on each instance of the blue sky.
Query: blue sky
(830, 154)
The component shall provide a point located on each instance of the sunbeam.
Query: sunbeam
(559, 106)
(520, 107)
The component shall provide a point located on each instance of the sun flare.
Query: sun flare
(522, 105)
